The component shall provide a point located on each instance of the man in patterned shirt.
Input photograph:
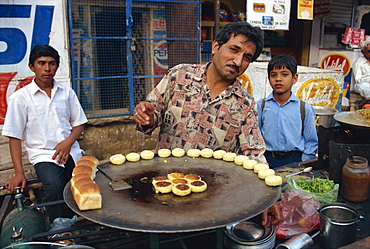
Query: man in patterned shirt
(205, 106)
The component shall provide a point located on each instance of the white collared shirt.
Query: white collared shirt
(361, 70)
(43, 122)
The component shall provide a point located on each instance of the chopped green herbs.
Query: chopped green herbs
(317, 185)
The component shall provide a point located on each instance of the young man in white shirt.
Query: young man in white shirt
(49, 118)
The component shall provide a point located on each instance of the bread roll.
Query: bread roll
(83, 169)
(79, 180)
(89, 163)
(78, 177)
(249, 164)
(87, 195)
(193, 153)
(133, 157)
(239, 159)
(178, 152)
(90, 158)
(147, 154)
(263, 173)
(229, 156)
(164, 152)
(274, 180)
(219, 154)
(117, 159)
(207, 153)
(260, 166)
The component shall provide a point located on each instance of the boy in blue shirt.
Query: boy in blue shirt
(287, 124)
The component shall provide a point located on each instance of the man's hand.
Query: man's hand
(143, 113)
(63, 148)
(272, 215)
(62, 152)
(16, 181)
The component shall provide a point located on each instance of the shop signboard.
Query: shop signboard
(322, 8)
(24, 24)
(342, 61)
(160, 58)
(269, 15)
(316, 86)
(305, 9)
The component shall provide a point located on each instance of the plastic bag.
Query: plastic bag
(323, 198)
(299, 214)
(63, 223)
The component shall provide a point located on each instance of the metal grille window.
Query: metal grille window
(121, 49)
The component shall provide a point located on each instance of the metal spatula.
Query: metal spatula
(116, 184)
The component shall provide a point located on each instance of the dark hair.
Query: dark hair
(280, 61)
(254, 34)
(43, 50)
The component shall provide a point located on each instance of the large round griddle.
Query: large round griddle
(233, 194)
(353, 119)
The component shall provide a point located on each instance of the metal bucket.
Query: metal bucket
(325, 116)
(338, 225)
(235, 238)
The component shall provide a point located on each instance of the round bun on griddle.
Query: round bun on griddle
(249, 164)
(133, 157)
(181, 189)
(193, 153)
(192, 177)
(179, 181)
(147, 154)
(164, 152)
(117, 159)
(239, 159)
(263, 173)
(198, 186)
(156, 179)
(274, 180)
(175, 175)
(260, 166)
(219, 154)
(229, 156)
(163, 187)
(178, 152)
(206, 152)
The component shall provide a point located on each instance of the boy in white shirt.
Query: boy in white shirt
(49, 118)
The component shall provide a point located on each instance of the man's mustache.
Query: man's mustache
(234, 66)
